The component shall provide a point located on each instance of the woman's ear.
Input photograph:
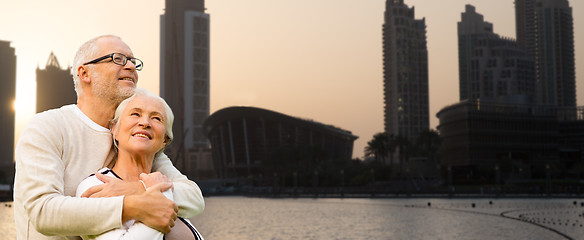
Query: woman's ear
(113, 128)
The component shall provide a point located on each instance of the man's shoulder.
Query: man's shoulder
(64, 112)
(50, 124)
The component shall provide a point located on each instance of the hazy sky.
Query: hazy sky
(313, 59)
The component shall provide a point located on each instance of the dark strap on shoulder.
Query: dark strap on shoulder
(193, 230)
(106, 172)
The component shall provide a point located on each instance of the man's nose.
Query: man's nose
(130, 66)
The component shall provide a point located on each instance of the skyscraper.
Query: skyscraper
(184, 78)
(7, 97)
(492, 68)
(524, 25)
(405, 69)
(545, 29)
(54, 86)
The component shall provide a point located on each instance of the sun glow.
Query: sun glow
(25, 102)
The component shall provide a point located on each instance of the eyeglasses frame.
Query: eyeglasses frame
(126, 58)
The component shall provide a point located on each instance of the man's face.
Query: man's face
(109, 80)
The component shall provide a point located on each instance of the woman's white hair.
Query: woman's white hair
(169, 116)
(87, 51)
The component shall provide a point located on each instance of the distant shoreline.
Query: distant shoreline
(403, 196)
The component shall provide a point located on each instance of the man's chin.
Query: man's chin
(127, 92)
(123, 93)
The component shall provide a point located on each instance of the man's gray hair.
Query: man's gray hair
(88, 50)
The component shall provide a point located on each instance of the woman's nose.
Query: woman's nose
(144, 123)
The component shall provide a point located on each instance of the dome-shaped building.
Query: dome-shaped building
(249, 142)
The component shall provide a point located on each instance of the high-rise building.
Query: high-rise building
(7, 97)
(524, 26)
(184, 79)
(492, 68)
(545, 29)
(54, 86)
(405, 69)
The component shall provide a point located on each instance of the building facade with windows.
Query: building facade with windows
(481, 138)
(545, 29)
(405, 72)
(184, 81)
(492, 68)
(517, 119)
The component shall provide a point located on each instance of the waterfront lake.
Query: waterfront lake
(306, 218)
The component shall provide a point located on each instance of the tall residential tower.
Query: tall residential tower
(545, 29)
(184, 78)
(405, 70)
(492, 68)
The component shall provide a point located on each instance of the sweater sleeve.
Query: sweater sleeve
(187, 195)
(40, 172)
(136, 230)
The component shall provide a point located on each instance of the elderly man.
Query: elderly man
(60, 147)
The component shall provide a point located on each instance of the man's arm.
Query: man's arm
(40, 187)
(187, 194)
(150, 207)
(136, 231)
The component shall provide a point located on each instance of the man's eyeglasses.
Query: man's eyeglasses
(119, 59)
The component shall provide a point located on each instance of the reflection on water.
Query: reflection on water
(255, 218)
(258, 218)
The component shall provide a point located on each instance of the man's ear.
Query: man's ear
(83, 74)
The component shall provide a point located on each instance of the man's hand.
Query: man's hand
(113, 187)
(154, 178)
(151, 208)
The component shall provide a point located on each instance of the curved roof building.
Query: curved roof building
(249, 141)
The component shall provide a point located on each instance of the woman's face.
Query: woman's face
(142, 128)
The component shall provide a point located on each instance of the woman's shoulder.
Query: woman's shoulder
(91, 181)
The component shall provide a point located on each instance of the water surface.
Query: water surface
(452, 219)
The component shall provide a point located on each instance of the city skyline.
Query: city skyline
(317, 60)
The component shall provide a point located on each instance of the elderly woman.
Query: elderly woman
(141, 128)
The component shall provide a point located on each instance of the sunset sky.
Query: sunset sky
(312, 59)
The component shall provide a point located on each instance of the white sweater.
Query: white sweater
(56, 151)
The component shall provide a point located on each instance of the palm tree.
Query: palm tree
(378, 147)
